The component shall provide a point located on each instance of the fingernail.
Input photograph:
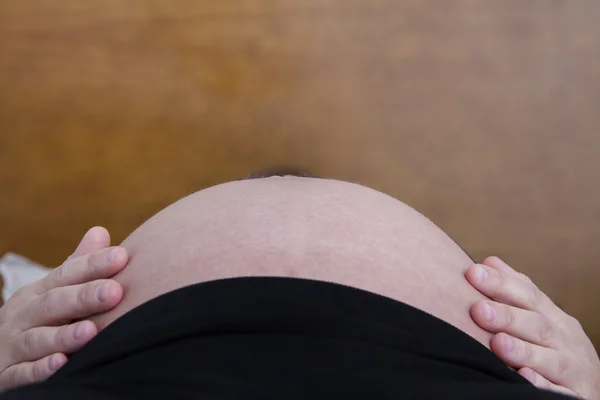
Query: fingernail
(530, 376)
(102, 292)
(56, 362)
(481, 273)
(489, 313)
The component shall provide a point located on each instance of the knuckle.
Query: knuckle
(534, 295)
(546, 334)
(82, 296)
(506, 286)
(86, 295)
(93, 261)
(567, 324)
(525, 278)
(60, 274)
(23, 293)
(62, 338)
(527, 354)
(28, 341)
(562, 366)
(99, 259)
(509, 318)
(40, 370)
(47, 303)
(501, 284)
(574, 323)
(13, 378)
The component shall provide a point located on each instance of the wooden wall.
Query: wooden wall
(483, 115)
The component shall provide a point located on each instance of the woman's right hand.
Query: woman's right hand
(36, 329)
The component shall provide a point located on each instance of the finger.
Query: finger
(523, 324)
(97, 265)
(542, 383)
(95, 238)
(64, 304)
(553, 365)
(31, 372)
(512, 291)
(499, 265)
(36, 343)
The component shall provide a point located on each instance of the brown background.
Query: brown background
(483, 115)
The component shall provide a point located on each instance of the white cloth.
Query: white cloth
(17, 271)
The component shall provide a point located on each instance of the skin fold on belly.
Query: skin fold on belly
(300, 227)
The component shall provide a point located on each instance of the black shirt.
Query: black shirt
(280, 338)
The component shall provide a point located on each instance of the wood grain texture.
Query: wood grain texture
(482, 115)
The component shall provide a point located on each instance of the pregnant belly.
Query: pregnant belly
(315, 229)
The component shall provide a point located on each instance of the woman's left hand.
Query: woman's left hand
(547, 346)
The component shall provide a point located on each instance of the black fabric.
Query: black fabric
(280, 338)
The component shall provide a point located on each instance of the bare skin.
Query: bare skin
(36, 328)
(544, 344)
(36, 340)
(300, 227)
